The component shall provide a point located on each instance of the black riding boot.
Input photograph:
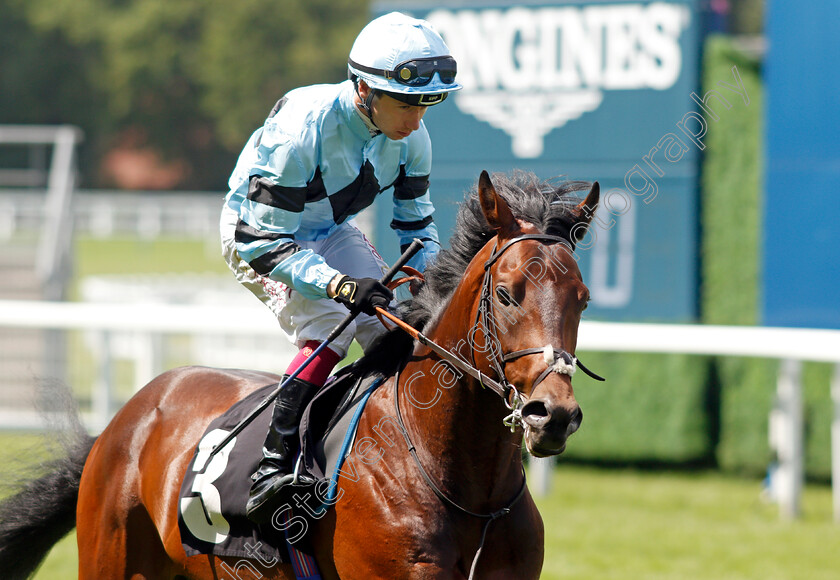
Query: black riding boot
(281, 445)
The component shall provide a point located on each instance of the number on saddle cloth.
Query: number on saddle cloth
(213, 494)
(211, 515)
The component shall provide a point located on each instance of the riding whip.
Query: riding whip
(416, 246)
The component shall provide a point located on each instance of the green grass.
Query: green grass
(651, 525)
(130, 255)
(62, 562)
(627, 525)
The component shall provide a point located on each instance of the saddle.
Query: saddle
(211, 514)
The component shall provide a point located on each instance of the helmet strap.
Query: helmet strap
(365, 106)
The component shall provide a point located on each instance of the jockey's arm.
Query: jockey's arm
(271, 215)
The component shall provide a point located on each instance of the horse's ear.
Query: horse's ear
(584, 212)
(495, 208)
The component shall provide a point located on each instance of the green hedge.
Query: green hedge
(730, 246)
(731, 258)
(652, 409)
(714, 410)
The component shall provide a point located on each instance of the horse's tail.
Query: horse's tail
(41, 513)
(43, 510)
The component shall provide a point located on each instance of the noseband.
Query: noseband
(559, 361)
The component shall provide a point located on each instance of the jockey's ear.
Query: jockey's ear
(363, 89)
(495, 208)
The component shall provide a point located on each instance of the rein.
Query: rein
(490, 517)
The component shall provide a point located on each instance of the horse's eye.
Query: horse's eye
(503, 295)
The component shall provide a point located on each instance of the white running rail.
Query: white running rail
(790, 346)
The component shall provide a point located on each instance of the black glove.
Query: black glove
(362, 294)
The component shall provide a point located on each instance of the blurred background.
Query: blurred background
(710, 124)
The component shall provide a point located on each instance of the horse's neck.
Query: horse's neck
(458, 427)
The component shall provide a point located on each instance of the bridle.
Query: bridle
(559, 361)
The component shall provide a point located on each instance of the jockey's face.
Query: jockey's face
(396, 120)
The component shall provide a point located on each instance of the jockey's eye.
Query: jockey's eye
(503, 296)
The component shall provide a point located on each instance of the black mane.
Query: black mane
(541, 203)
(545, 204)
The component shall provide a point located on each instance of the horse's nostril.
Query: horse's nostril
(535, 413)
(576, 420)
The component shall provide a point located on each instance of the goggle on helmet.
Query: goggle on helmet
(404, 57)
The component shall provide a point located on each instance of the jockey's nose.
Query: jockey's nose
(414, 118)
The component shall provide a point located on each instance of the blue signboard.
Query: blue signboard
(592, 91)
(801, 262)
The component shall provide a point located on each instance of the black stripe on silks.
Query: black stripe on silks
(268, 261)
(357, 195)
(277, 106)
(245, 234)
(411, 187)
(264, 191)
(412, 225)
(404, 247)
(315, 189)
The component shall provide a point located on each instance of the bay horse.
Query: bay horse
(442, 493)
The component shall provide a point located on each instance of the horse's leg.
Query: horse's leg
(167, 454)
(129, 483)
(127, 514)
(116, 536)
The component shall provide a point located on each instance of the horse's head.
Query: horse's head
(529, 310)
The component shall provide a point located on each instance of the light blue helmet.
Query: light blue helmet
(404, 57)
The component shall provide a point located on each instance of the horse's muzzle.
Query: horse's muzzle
(548, 426)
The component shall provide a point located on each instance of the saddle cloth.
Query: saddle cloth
(211, 514)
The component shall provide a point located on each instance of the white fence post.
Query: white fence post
(835, 441)
(787, 438)
(104, 378)
(149, 363)
(540, 481)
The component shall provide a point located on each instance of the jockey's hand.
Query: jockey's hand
(362, 294)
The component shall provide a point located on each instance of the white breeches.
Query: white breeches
(348, 251)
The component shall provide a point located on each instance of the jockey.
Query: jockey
(323, 155)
